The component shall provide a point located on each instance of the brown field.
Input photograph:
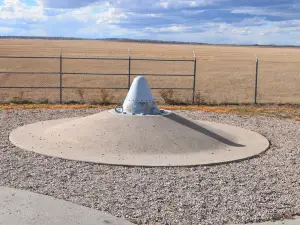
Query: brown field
(224, 73)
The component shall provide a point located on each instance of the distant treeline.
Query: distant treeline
(134, 40)
(37, 37)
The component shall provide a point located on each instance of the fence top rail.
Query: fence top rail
(29, 57)
(99, 74)
(26, 72)
(162, 75)
(83, 87)
(97, 58)
(164, 60)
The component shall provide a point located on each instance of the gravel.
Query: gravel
(260, 189)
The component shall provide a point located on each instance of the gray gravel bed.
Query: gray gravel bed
(260, 189)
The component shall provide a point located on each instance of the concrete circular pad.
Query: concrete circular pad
(169, 140)
(26, 208)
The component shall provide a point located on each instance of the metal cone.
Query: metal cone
(139, 99)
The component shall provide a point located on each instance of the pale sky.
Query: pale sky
(206, 21)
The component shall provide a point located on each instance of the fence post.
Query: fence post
(256, 82)
(60, 78)
(129, 69)
(195, 71)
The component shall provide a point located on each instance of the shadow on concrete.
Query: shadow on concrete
(181, 120)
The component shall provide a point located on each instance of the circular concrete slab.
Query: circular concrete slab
(169, 140)
(26, 208)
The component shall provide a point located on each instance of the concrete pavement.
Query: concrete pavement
(26, 208)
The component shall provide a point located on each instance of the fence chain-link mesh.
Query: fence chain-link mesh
(226, 81)
(278, 82)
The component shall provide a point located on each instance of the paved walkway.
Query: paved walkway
(26, 208)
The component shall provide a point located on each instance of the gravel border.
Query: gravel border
(260, 189)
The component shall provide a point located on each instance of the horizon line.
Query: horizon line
(139, 40)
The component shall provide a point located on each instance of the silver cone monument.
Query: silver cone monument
(139, 99)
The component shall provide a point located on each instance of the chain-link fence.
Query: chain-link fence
(100, 80)
(279, 81)
(243, 81)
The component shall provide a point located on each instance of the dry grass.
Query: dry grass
(167, 96)
(283, 112)
(106, 97)
(80, 92)
(224, 73)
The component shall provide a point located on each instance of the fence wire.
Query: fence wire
(278, 82)
(224, 81)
